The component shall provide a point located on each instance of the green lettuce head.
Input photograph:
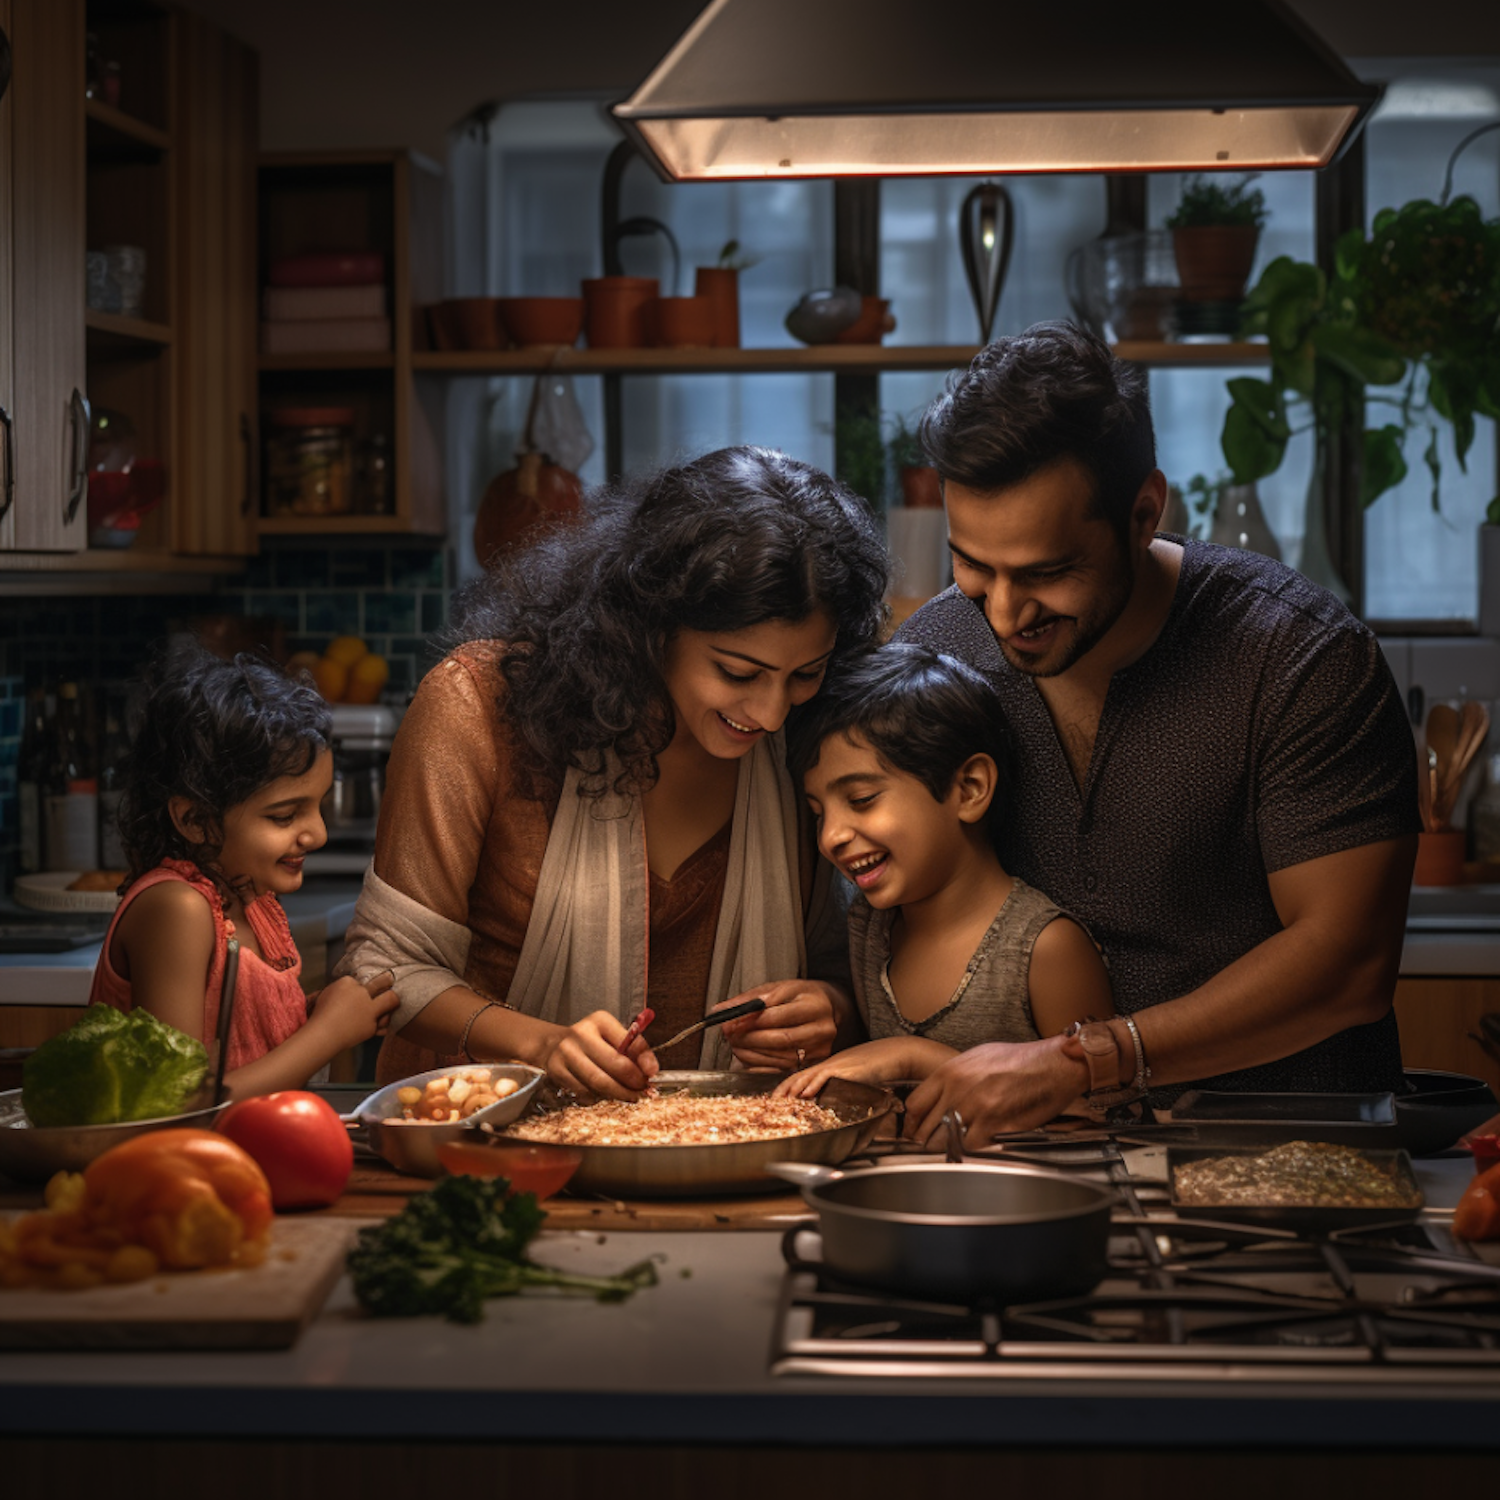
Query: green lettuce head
(112, 1065)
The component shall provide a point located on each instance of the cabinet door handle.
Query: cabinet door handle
(8, 494)
(78, 482)
(247, 497)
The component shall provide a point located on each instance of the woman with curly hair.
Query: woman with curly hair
(587, 808)
(223, 783)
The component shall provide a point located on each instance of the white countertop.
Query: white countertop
(318, 913)
(688, 1362)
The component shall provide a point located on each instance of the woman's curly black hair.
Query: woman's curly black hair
(737, 538)
(215, 732)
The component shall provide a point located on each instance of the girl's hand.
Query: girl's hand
(886, 1061)
(584, 1059)
(351, 1012)
(798, 1025)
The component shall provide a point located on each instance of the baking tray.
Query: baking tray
(1300, 1218)
(1226, 1119)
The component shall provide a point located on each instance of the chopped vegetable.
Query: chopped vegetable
(112, 1065)
(460, 1243)
(172, 1199)
(1477, 1216)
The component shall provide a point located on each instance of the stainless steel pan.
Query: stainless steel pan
(961, 1231)
(735, 1167)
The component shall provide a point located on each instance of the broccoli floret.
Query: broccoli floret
(464, 1241)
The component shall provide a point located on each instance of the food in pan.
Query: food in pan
(98, 880)
(1311, 1174)
(455, 1096)
(676, 1119)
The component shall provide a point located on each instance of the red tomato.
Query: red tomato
(299, 1142)
(542, 1170)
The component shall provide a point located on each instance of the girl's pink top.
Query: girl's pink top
(269, 1005)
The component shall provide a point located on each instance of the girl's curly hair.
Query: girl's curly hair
(738, 538)
(215, 732)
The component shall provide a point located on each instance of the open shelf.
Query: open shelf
(112, 327)
(113, 132)
(835, 358)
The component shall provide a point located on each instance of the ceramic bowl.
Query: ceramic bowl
(821, 316)
(534, 321)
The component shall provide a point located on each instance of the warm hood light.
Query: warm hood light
(897, 88)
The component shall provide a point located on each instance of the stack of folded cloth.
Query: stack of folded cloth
(325, 304)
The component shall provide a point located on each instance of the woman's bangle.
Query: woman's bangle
(1142, 1072)
(463, 1041)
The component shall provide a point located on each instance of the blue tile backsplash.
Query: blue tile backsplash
(394, 595)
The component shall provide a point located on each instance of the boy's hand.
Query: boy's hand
(886, 1061)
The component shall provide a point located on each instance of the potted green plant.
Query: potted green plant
(920, 486)
(1215, 228)
(1412, 310)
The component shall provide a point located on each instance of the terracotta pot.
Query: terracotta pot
(534, 322)
(615, 311)
(682, 322)
(874, 322)
(522, 502)
(921, 489)
(1440, 857)
(721, 285)
(475, 322)
(1214, 260)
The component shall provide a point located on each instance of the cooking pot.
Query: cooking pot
(960, 1231)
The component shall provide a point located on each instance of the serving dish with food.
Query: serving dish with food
(1313, 1187)
(702, 1133)
(405, 1122)
(69, 890)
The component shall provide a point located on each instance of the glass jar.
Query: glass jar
(374, 483)
(310, 461)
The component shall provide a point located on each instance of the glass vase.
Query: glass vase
(1239, 521)
(1315, 563)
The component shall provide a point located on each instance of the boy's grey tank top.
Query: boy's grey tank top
(991, 1003)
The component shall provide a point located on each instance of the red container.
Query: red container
(338, 268)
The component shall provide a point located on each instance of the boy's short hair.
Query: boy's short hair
(922, 712)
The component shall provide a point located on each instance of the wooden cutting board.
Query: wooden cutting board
(263, 1307)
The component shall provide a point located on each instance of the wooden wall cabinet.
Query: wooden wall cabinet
(389, 202)
(44, 441)
(156, 151)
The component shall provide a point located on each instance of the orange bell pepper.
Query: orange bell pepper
(193, 1197)
(1477, 1216)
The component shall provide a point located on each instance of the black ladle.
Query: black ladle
(226, 1008)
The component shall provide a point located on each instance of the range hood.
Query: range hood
(891, 88)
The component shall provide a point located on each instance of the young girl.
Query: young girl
(222, 792)
(899, 758)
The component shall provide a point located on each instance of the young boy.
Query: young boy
(899, 756)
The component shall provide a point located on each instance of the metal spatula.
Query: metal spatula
(733, 1013)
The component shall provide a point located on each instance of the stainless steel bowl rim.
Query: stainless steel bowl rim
(367, 1111)
(825, 1194)
(13, 1117)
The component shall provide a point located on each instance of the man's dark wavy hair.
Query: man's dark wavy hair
(922, 713)
(215, 732)
(1055, 391)
(738, 538)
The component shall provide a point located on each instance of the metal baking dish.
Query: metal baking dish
(32, 1153)
(1251, 1119)
(1302, 1218)
(411, 1145)
(734, 1167)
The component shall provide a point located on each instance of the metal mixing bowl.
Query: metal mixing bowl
(32, 1153)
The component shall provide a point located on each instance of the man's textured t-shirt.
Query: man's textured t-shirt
(1260, 730)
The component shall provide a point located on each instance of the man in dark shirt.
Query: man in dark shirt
(1212, 768)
